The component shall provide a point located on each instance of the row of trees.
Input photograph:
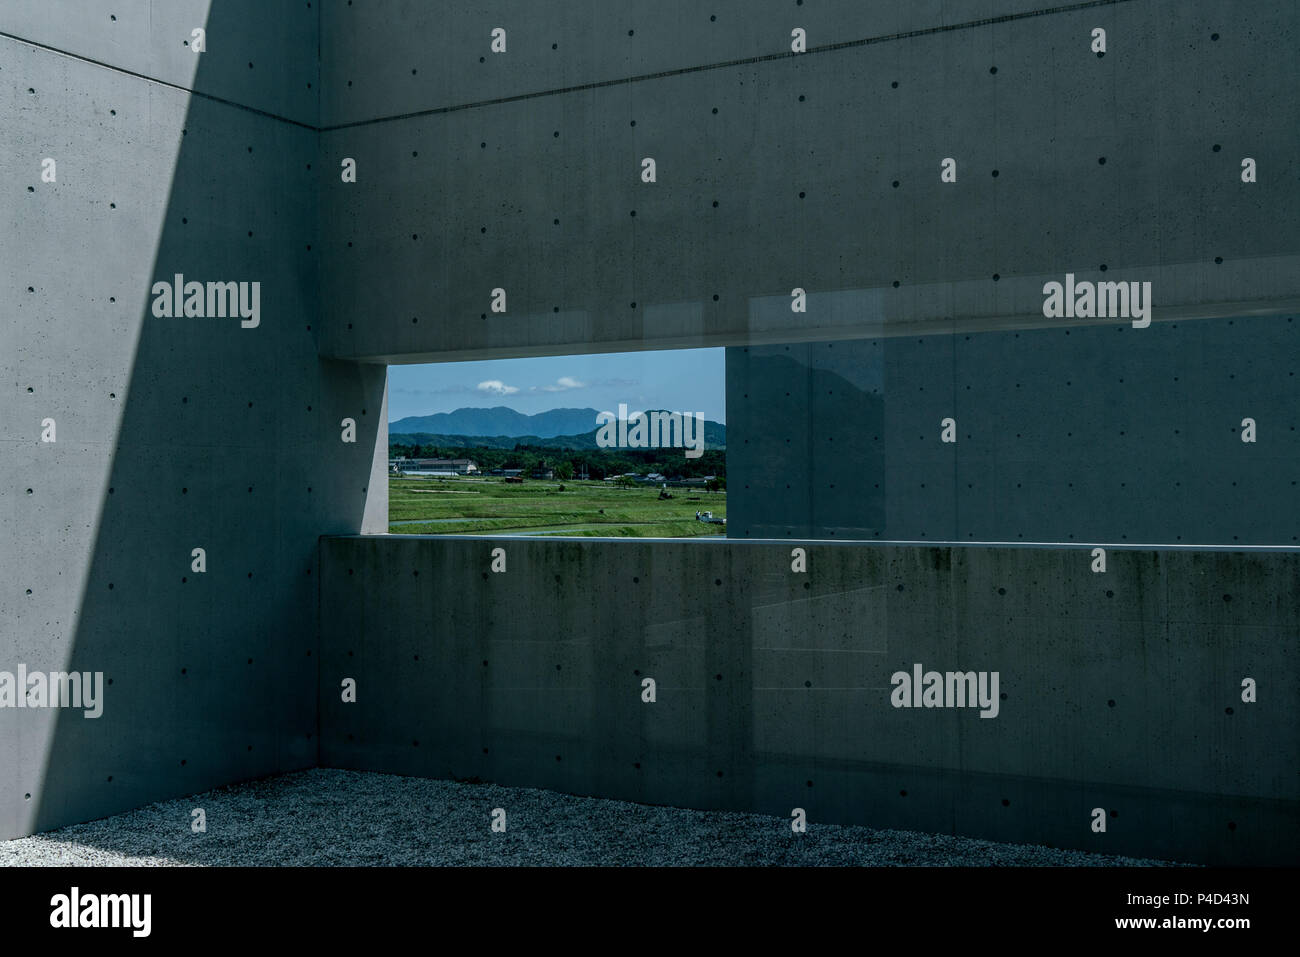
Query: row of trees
(569, 463)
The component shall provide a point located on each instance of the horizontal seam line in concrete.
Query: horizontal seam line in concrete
(595, 85)
(707, 540)
(153, 79)
(726, 64)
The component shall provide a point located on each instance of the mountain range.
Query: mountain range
(500, 427)
(499, 420)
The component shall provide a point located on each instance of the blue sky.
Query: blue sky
(680, 380)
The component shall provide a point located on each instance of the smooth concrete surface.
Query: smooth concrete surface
(393, 59)
(259, 56)
(1101, 433)
(522, 172)
(1119, 690)
(170, 434)
(1124, 167)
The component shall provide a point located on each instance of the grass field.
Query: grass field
(476, 506)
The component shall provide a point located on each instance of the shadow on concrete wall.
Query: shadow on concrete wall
(229, 441)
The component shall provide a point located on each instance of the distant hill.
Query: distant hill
(498, 421)
(715, 433)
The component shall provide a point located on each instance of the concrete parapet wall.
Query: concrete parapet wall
(1119, 690)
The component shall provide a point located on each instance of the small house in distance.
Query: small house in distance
(405, 466)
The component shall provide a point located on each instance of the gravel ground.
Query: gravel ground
(329, 817)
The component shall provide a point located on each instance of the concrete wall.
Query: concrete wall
(822, 171)
(1101, 433)
(170, 434)
(521, 170)
(1118, 690)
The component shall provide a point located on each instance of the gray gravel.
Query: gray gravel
(330, 817)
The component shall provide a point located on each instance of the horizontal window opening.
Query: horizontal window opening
(629, 445)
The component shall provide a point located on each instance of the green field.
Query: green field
(490, 506)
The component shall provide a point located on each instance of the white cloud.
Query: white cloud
(497, 387)
(562, 384)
